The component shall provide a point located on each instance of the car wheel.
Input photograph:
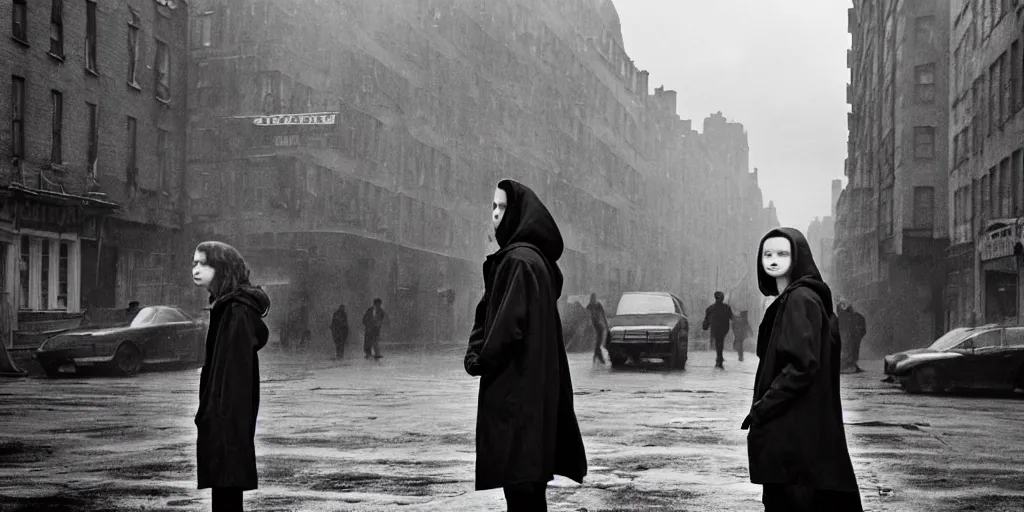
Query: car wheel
(50, 370)
(618, 361)
(128, 359)
(682, 355)
(924, 380)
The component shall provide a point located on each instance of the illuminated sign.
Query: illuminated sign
(320, 118)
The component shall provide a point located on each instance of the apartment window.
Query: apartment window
(993, 96)
(1005, 188)
(56, 139)
(19, 21)
(163, 140)
(1004, 88)
(1015, 77)
(132, 170)
(204, 37)
(94, 138)
(924, 142)
(133, 50)
(993, 193)
(924, 30)
(1017, 171)
(17, 117)
(90, 35)
(924, 207)
(57, 28)
(924, 88)
(163, 71)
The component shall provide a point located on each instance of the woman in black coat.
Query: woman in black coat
(526, 429)
(229, 386)
(796, 444)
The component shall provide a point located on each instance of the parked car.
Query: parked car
(989, 357)
(649, 325)
(157, 335)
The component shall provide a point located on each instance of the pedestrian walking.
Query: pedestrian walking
(740, 331)
(796, 443)
(852, 328)
(600, 323)
(339, 331)
(229, 383)
(526, 428)
(716, 320)
(373, 321)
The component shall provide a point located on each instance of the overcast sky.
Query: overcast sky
(777, 66)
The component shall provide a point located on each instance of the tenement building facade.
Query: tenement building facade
(351, 149)
(986, 131)
(891, 232)
(93, 95)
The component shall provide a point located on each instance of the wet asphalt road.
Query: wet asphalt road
(398, 435)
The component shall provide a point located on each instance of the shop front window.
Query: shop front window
(47, 273)
(23, 273)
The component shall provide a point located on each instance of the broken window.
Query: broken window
(133, 49)
(57, 28)
(163, 71)
(924, 86)
(17, 117)
(924, 142)
(56, 139)
(90, 35)
(19, 21)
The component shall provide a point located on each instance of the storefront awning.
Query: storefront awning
(59, 198)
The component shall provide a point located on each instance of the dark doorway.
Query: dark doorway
(99, 276)
(1000, 297)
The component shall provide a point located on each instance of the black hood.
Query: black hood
(528, 221)
(803, 271)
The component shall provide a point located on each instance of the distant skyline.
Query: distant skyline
(779, 68)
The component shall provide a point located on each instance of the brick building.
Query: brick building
(891, 234)
(356, 158)
(986, 137)
(93, 97)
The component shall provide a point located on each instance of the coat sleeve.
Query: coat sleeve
(799, 348)
(232, 379)
(476, 337)
(509, 325)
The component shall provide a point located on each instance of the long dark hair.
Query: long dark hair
(230, 270)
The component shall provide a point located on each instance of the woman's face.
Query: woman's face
(776, 256)
(202, 272)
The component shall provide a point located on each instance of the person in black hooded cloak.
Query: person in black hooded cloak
(526, 428)
(796, 442)
(229, 384)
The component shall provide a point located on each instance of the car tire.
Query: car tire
(618, 361)
(924, 380)
(50, 370)
(127, 359)
(682, 355)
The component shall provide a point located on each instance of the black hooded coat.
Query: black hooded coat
(797, 435)
(526, 429)
(229, 390)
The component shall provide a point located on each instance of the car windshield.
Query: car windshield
(645, 304)
(952, 338)
(155, 316)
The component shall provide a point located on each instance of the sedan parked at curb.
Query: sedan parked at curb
(989, 357)
(649, 325)
(158, 335)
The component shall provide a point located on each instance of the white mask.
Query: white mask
(777, 256)
(498, 207)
